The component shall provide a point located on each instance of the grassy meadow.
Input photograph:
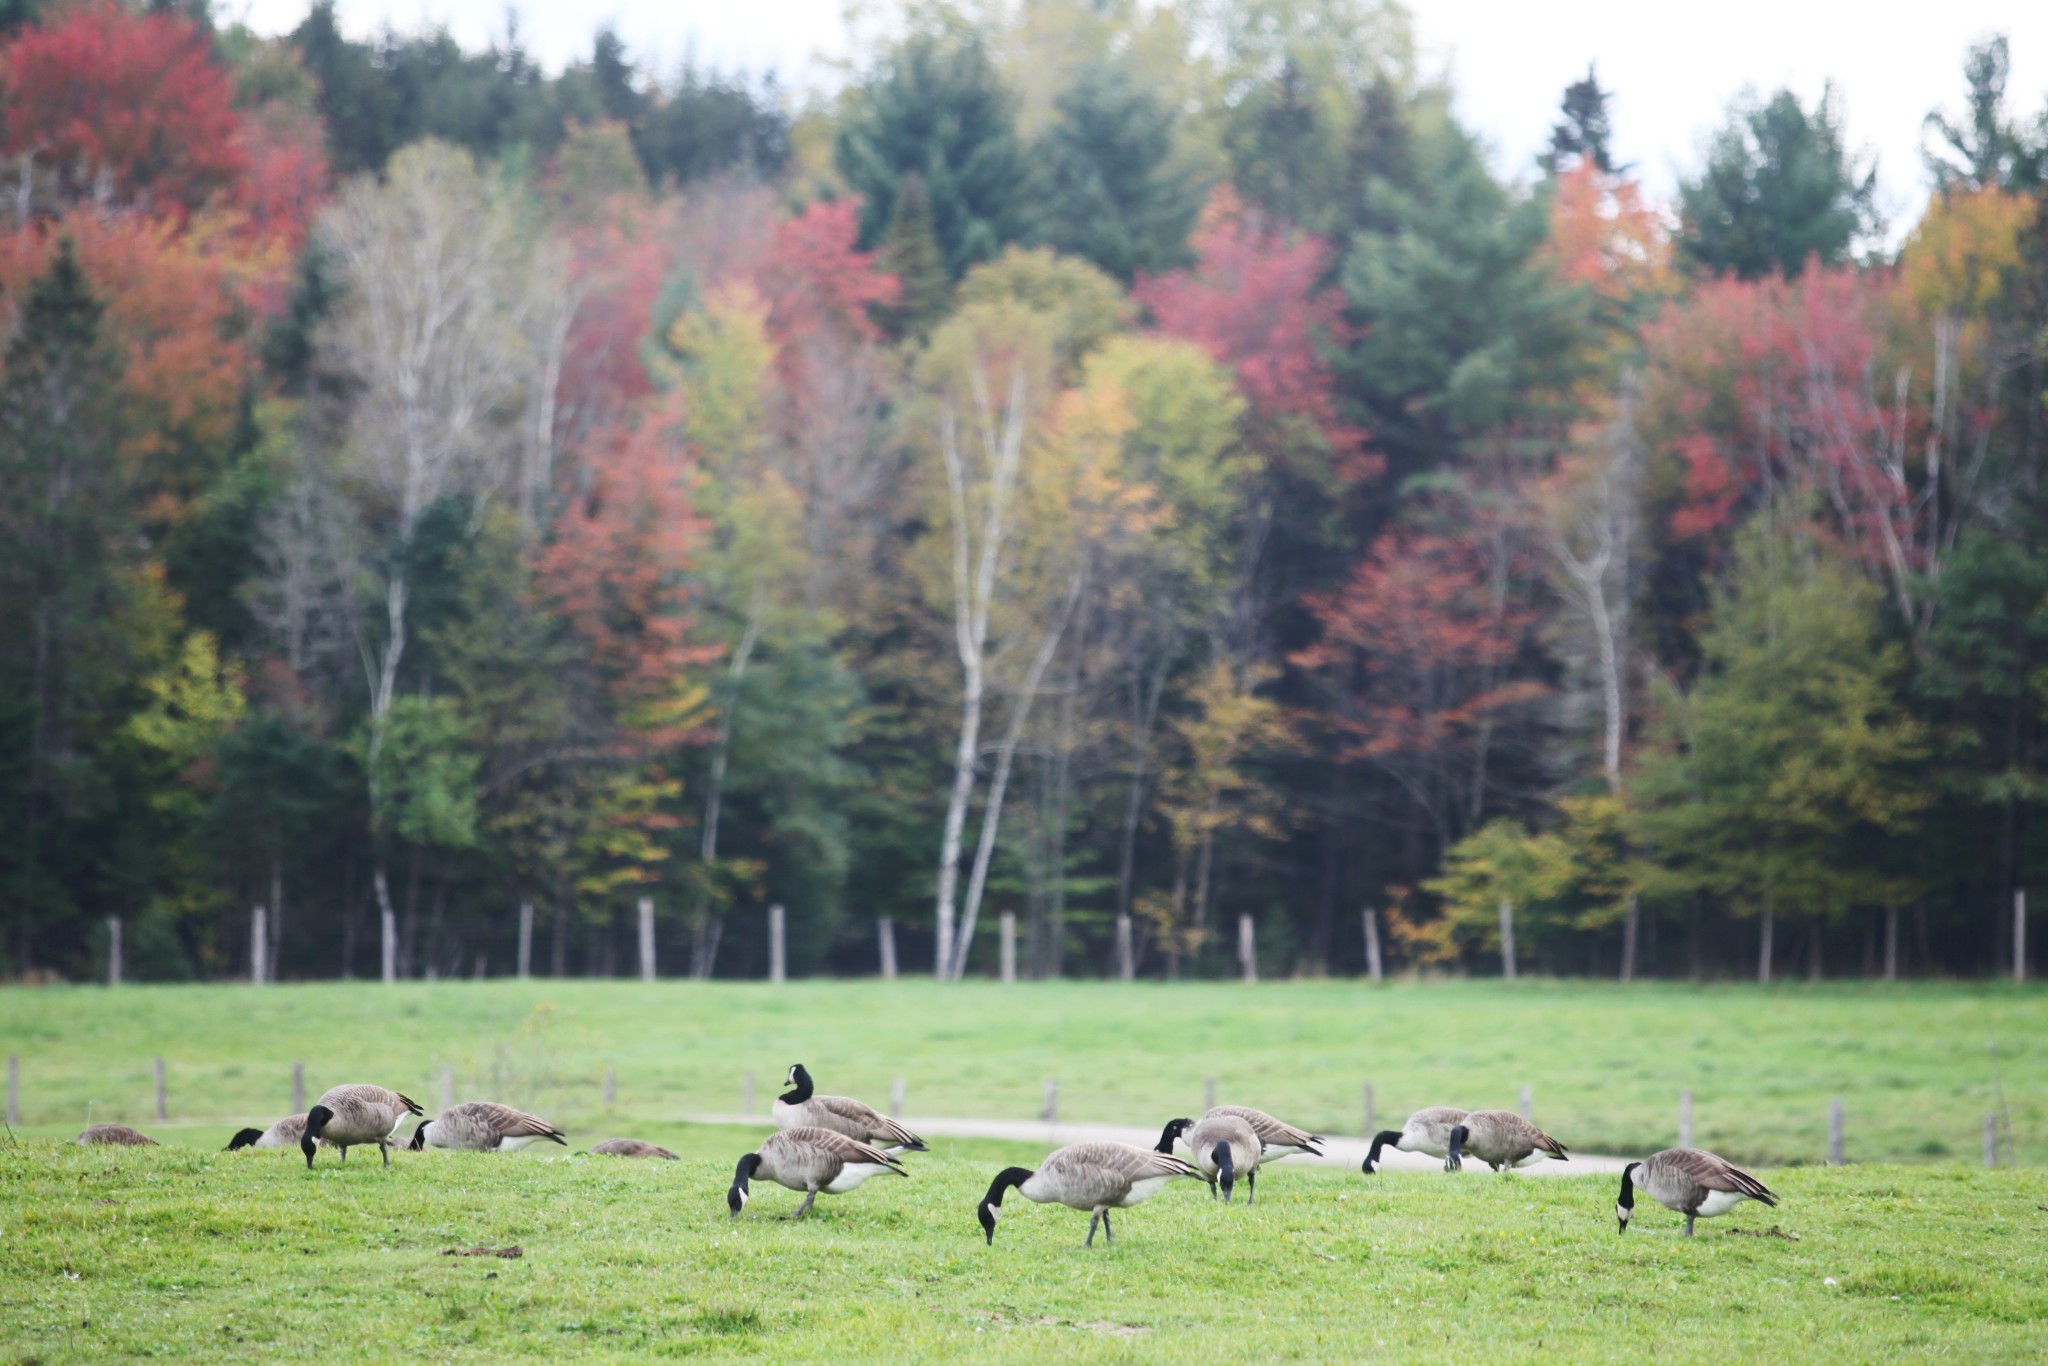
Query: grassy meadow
(127, 1253)
(1913, 1063)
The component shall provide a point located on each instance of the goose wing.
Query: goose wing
(1710, 1171)
(1518, 1130)
(859, 1114)
(833, 1144)
(507, 1122)
(116, 1134)
(1271, 1131)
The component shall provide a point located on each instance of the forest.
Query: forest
(1127, 466)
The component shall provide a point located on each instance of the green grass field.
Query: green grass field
(188, 1250)
(175, 1251)
(1912, 1064)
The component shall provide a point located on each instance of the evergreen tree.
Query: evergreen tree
(1114, 194)
(937, 109)
(910, 252)
(1585, 130)
(1986, 149)
(1779, 189)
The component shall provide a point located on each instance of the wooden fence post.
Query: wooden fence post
(1891, 943)
(747, 1094)
(1835, 1132)
(611, 1088)
(162, 1112)
(259, 946)
(525, 940)
(1528, 1102)
(1208, 1094)
(1991, 1140)
(646, 939)
(1247, 947)
(298, 1088)
(1051, 1113)
(1009, 946)
(1372, 945)
(896, 1098)
(1685, 1118)
(1507, 940)
(1126, 962)
(14, 1090)
(2019, 935)
(777, 945)
(388, 922)
(1371, 1126)
(113, 950)
(885, 930)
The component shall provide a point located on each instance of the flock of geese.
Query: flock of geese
(829, 1145)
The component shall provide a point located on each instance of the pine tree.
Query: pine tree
(910, 252)
(1114, 194)
(1585, 131)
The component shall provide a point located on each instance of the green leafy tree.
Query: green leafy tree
(936, 109)
(910, 252)
(1779, 189)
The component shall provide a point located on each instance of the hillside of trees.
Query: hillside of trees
(1131, 466)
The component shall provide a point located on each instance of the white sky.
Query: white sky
(1671, 68)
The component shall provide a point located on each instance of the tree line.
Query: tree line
(1128, 466)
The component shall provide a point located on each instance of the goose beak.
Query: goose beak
(987, 1217)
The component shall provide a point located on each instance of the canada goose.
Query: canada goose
(1223, 1148)
(283, 1134)
(355, 1114)
(630, 1147)
(1279, 1140)
(809, 1159)
(1427, 1131)
(1695, 1183)
(116, 1135)
(841, 1114)
(1097, 1177)
(1501, 1139)
(484, 1126)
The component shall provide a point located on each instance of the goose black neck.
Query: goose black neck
(1380, 1140)
(419, 1139)
(1459, 1133)
(1226, 1170)
(246, 1138)
(1174, 1129)
(1005, 1179)
(799, 1086)
(1627, 1199)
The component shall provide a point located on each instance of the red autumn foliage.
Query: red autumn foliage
(284, 176)
(130, 106)
(1772, 383)
(816, 280)
(617, 569)
(1252, 301)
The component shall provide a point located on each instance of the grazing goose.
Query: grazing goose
(1097, 1177)
(283, 1134)
(1501, 1139)
(484, 1126)
(116, 1135)
(1223, 1148)
(630, 1147)
(355, 1114)
(841, 1114)
(809, 1159)
(1427, 1131)
(1278, 1140)
(1695, 1183)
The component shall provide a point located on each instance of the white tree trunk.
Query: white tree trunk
(1507, 940)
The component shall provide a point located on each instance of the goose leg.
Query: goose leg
(344, 1157)
(1251, 1187)
(1107, 1236)
(810, 1198)
(385, 1149)
(1688, 1224)
(1093, 1220)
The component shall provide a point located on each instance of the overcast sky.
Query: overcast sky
(1671, 69)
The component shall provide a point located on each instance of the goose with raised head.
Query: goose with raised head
(1276, 1140)
(1691, 1181)
(812, 1160)
(802, 1105)
(1501, 1139)
(115, 1136)
(1427, 1131)
(484, 1126)
(283, 1134)
(630, 1147)
(1222, 1147)
(1097, 1177)
(354, 1115)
